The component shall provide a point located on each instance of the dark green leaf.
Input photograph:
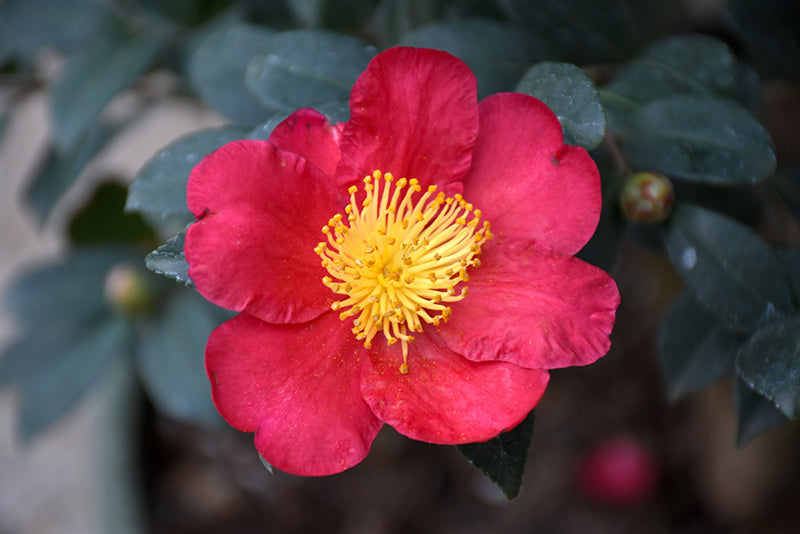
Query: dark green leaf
(591, 31)
(756, 414)
(503, 458)
(686, 65)
(298, 69)
(67, 370)
(498, 53)
(169, 260)
(93, 77)
(159, 190)
(60, 170)
(170, 358)
(216, 70)
(103, 219)
(699, 139)
(770, 364)
(695, 351)
(572, 96)
(28, 25)
(730, 269)
(396, 18)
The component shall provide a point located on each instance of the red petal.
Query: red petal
(308, 133)
(528, 184)
(534, 310)
(446, 398)
(297, 387)
(261, 210)
(413, 113)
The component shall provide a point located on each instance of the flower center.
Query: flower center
(397, 259)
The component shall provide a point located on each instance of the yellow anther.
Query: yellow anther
(396, 263)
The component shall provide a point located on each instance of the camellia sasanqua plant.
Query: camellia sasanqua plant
(407, 214)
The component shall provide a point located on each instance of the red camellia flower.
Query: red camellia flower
(349, 248)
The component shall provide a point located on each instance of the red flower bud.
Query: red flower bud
(620, 471)
(647, 197)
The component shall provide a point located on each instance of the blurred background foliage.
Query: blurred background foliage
(670, 106)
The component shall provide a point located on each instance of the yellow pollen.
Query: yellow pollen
(397, 257)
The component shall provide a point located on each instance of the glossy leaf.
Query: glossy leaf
(296, 69)
(573, 97)
(498, 53)
(699, 139)
(730, 269)
(503, 458)
(159, 190)
(770, 364)
(756, 414)
(168, 260)
(170, 358)
(790, 258)
(216, 70)
(687, 65)
(695, 351)
(93, 77)
(59, 171)
(396, 18)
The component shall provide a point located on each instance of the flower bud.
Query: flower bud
(647, 197)
(619, 471)
(128, 289)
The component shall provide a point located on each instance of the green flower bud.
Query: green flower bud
(129, 289)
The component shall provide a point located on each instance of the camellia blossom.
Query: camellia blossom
(412, 266)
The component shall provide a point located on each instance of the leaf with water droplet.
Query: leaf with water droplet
(159, 190)
(770, 364)
(699, 139)
(296, 69)
(730, 269)
(572, 96)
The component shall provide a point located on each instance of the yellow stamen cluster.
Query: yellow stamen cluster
(398, 260)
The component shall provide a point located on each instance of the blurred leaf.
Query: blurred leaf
(770, 363)
(159, 190)
(28, 25)
(396, 18)
(687, 65)
(695, 351)
(168, 260)
(572, 96)
(170, 358)
(498, 53)
(699, 139)
(769, 30)
(69, 291)
(591, 31)
(93, 77)
(730, 269)
(302, 68)
(54, 387)
(59, 171)
(756, 414)
(503, 458)
(103, 219)
(216, 70)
